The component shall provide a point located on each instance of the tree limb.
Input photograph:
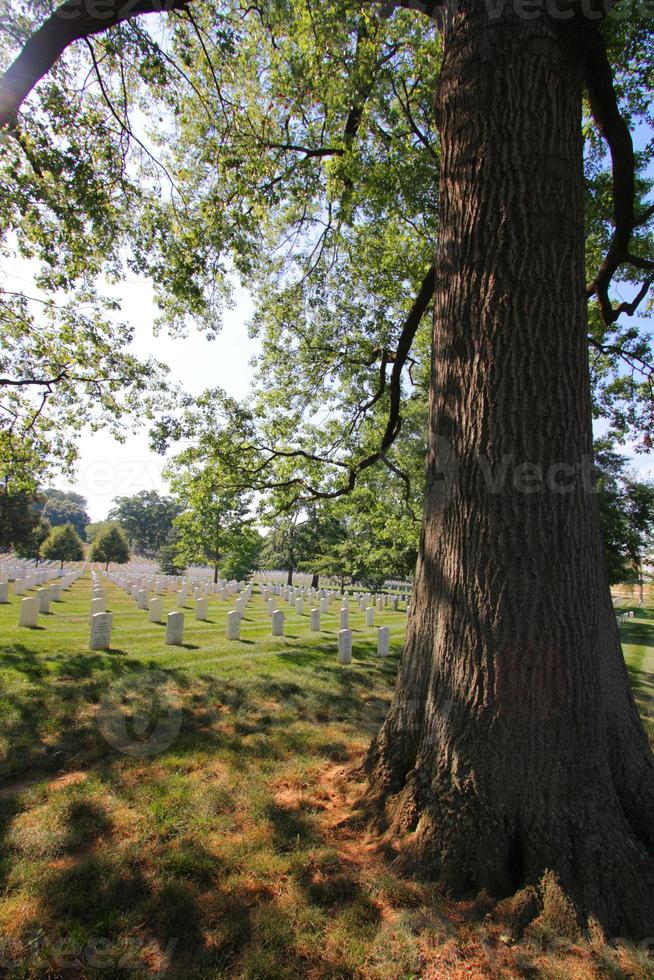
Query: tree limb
(308, 492)
(71, 21)
(608, 119)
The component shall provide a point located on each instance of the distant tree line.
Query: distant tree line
(367, 537)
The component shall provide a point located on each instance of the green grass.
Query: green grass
(223, 853)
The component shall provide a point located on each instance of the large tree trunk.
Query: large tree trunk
(513, 744)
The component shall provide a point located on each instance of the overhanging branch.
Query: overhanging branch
(608, 119)
(308, 492)
(71, 21)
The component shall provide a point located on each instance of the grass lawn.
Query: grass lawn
(206, 838)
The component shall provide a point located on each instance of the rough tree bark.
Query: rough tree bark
(513, 744)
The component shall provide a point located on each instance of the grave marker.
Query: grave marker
(383, 641)
(175, 629)
(29, 612)
(233, 625)
(100, 638)
(345, 646)
(155, 610)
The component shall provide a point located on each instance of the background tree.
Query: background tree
(214, 526)
(20, 515)
(33, 536)
(65, 507)
(110, 545)
(63, 544)
(286, 546)
(626, 514)
(169, 561)
(91, 531)
(147, 519)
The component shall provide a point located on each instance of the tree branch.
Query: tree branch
(608, 119)
(309, 492)
(71, 21)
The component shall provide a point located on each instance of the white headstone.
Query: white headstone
(344, 615)
(19, 587)
(345, 646)
(324, 604)
(175, 629)
(201, 609)
(233, 625)
(181, 598)
(272, 605)
(100, 638)
(43, 597)
(155, 610)
(299, 607)
(142, 599)
(383, 641)
(97, 606)
(29, 612)
(278, 623)
(315, 619)
(4, 592)
(370, 616)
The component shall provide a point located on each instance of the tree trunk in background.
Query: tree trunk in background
(315, 581)
(513, 744)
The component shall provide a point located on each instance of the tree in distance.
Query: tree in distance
(110, 545)
(64, 507)
(63, 544)
(147, 519)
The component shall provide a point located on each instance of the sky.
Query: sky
(107, 468)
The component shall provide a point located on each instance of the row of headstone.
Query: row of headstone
(325, 597)
(623, 617)
(31, 606)
(345, 644)
(25, 579)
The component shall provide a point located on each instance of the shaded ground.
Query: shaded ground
(183, 812)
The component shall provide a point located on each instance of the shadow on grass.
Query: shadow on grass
(637, 634)
(135, 858)
(642, 685)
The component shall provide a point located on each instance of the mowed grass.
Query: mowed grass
(207, 836)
